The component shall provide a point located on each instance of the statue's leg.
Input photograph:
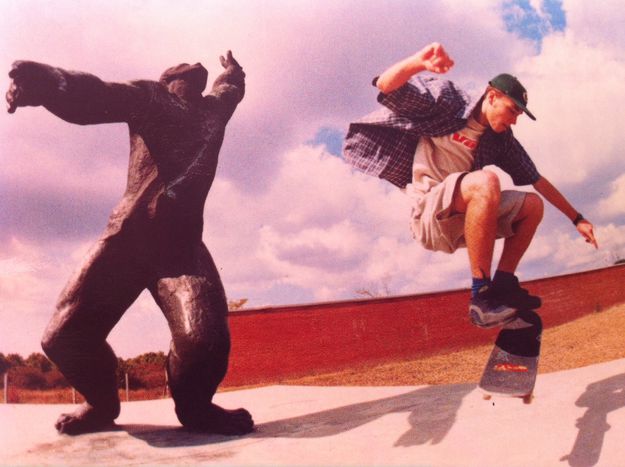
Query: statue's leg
(75, 340)
(194, 303)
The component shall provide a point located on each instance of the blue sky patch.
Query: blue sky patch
(523, 19)
(331, 138)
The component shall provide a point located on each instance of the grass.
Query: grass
(66, 396)
(585, 341)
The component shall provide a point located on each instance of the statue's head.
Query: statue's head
(190, 77)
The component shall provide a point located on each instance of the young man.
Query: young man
(434, 141)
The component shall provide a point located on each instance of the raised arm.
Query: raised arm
(551, 194)
(76, 97)
(229, 87)
(432, 57)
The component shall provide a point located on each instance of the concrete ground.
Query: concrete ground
(577, 418)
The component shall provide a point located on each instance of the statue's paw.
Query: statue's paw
(85, 419)
(238, 422)
(221, 421)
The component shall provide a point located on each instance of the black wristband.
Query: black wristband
(578, 219)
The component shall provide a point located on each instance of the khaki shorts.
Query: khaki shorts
(438, 230)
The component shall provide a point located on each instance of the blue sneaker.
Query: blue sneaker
(487, 310)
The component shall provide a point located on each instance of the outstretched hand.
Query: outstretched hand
(585, 228)
(15, 91)
(229, 61)
(12, 97)
(30, 82)
(434, 58)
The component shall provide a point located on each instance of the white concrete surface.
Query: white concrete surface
(577, 418)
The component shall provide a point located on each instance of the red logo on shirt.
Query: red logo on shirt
(469, 143)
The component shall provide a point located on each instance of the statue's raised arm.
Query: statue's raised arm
(229, 87)
(76, 97)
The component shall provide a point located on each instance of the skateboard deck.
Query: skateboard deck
(513, 363)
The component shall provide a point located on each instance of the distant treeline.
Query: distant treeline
(145, 371)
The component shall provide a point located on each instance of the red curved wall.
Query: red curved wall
(273, 343)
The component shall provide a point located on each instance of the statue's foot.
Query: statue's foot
(215, 419)
(85, 419)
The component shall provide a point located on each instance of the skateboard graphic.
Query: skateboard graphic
(513, 363)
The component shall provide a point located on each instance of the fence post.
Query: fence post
(166, 383)
(127, 395)
(73, 395)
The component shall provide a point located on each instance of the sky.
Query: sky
(287, 220)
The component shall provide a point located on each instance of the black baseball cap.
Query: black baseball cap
(512, 88)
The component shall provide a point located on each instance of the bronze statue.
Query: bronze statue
(153, 239)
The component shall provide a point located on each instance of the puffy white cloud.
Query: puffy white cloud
(614, 203)
(573, 88)
(27, 294)
(597, 24)
(319, 226)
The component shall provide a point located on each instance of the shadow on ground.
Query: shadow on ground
(600, 398)
(431, 412)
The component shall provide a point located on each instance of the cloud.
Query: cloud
(597, 24)
(578, 131)
(27, 295)
(614, 203)
(319, 226)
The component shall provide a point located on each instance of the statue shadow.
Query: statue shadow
(600, 398)
(431, 413)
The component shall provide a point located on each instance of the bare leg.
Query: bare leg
(478, 195)
(195, 306)
(525, 226)
(75, 339)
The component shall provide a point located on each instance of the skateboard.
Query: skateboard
(513, 363)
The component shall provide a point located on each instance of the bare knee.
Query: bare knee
(533, 208)
(486, 183)
(481, 186)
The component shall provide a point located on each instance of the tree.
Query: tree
(15, 360)
(27, 378)
(4, 363)
(39, 361)
(150, 358)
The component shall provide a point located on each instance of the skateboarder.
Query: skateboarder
(434, 141)
(153, 239)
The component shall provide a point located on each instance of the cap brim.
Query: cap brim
(522, 107)
(529, 114)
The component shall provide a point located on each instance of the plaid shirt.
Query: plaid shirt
(384, 142)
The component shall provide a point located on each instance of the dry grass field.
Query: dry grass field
(595, 338)
(66, 396)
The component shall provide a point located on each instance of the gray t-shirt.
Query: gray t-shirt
(437, 157)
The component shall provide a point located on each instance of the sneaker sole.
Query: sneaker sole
(474, 317)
